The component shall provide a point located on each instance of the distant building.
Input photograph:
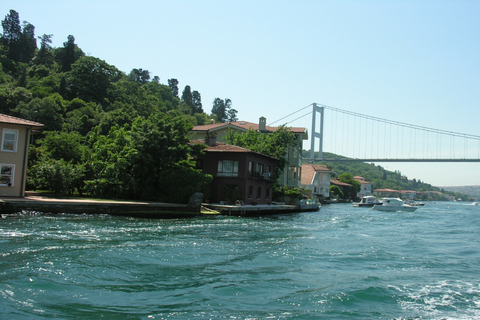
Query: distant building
(386, 193)
(292, 172)
(316, 178)
(408, 194)
(365, 187)
(14, 154)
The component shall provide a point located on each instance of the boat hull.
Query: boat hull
(394, 208)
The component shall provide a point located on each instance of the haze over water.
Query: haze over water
(338, 263)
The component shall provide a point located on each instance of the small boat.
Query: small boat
(393, 204)
(415, 204)
(367, 201)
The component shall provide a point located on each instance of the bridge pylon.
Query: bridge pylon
(315, 134)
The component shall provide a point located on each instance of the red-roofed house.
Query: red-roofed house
(316, 177)
(365, 187)
(238, 173)
(293, 170)
(14, 154)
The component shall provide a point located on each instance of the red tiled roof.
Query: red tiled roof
(338, 183)
(243, 125)
(385, 190)
(223, 147)
(18, 121)
(308, 171)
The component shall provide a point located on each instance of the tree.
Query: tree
(173, 84)
(92, 79)
(45, 55)
(187, 97)
(139, 75)
(20, 45)
(222, 110)
(12, 35)
(69, 53)
(148, 161)
(197, 102)
(336, 190)
(348, 178)
(28, 42)
(274, 144)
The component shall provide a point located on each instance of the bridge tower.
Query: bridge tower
(315, 134)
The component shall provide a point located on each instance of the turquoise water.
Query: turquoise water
(338, 263)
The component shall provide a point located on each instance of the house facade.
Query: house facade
(365, 187)
(316, 178)
(238, 174)
(15, 137)
(347, 189)
(292, 172)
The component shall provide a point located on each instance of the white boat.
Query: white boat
(393, 204)
(415, 204)
(367, 201)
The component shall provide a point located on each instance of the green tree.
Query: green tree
(197, 102)
(48, 111)
(336, 191)
(173, 84)
(139, 76)
(221, 109)
(275, 144)
(12, 35)
(92, 79)
(68, 57)
(188, 98)
(348, 178)
(149, 161)
(28, 42)
(45, 54)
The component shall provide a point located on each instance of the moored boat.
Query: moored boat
(367, 201)
(393, 204)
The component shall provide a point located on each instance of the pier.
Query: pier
(138, 209)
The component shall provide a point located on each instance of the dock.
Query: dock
(140, 209)
(47, 205)
(263, 209)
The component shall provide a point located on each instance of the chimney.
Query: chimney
(262, 124)
(211, 140)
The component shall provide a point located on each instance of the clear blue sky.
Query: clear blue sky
(409, 61)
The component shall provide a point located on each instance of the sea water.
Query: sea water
(340, 262)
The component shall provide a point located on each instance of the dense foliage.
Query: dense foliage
(274, 144)
(108, 133)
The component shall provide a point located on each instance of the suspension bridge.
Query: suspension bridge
(343, 135)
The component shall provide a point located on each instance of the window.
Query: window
(250, 191)
(6, 174)
(251, 166)
(9, 140)
(259, 193)
(259, 168)
(227, 168)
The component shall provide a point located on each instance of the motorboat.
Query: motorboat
(414, 203)
(393, 204)
(367, 201)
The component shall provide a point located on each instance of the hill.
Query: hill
(472, 191)
(385, 179)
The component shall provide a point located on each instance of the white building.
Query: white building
(365, 187)
(316, 178)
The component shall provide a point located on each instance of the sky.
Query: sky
(410, 61)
